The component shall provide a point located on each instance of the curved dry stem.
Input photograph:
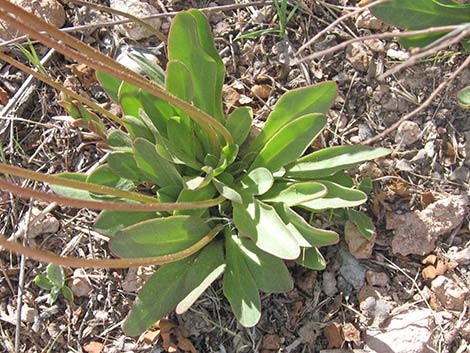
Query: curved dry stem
(61, 88)
(423, 105)
(48, 257)
(414, 59)
(55, 180)
(337, 21)
(105, 205)
(386, 35)
(149, 17)
(31, 25)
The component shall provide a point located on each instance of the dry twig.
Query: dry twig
(386, 35)
(422, 106)
(336, 22)
(454, 37)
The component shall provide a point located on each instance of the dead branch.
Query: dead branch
(422, 106)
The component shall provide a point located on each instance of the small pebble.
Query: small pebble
(407, 133)
(377, 279)
(398, 54)
(28, 314)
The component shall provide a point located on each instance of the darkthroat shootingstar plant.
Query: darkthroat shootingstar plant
(176, 189)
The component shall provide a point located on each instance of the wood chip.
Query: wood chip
(271, 342)
(262, 91)
(351, 333)
(151, 336)
(427, 198)
(333, 334)
(93, 347)
(4, 97)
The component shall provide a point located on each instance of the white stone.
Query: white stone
(28, 314)
(80, 284)
(407, 133)
(398, 54)
(406, 333)
(136, 8)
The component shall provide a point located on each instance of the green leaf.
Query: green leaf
(153, 166)
(293, 194)
(202, 194)
(239, 123)
(158, 297)
(181, 141)
(365, 185)
(148, 68)
(312, 259)
(137, 128)
(110, 222)
(179, 82)
(169, 193)
(103, 175)
(71, 192)
(158, 111)
(55, 274)
(341, 178)
(156, 237)
(258, 181)
(258, 33)
(421, 40)
(184, 45)
(124, 165)
(205, 269)
(269, 272)
(239, 286)
(118, 138)
(337, 197)
(328, 161)
(228, 156)
(129, 98)
(43, 282)
(227, 191)
(53, 295)
(463, 97)
(363, 223)
(177, 284)
(307, 236)
(289, 142)
(263, 225)
(110, 84)
(67, 293)
(207, 43)
(294, 104)
(421, 14)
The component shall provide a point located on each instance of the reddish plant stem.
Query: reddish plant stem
(112, 206)
(48, 257)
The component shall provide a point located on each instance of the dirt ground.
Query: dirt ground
(405, 291)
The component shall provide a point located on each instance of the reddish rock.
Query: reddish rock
(417, 232)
